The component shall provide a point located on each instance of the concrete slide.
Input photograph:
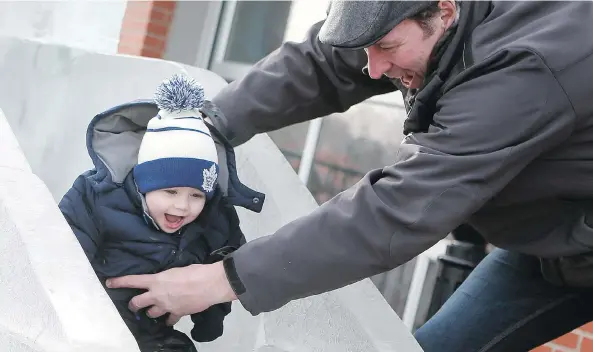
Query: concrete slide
(50, 299)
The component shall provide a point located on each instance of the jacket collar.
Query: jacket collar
(138, 200)
(448, 53)
(236, 192)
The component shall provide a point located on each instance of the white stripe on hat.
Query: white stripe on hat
(177, 144)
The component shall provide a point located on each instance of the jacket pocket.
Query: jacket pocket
(575, 271)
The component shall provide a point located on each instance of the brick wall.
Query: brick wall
(580, 340)
(145, 28)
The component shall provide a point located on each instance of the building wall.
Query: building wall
(91, 25)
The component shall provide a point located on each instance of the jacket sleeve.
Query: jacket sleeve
(295, 83)
(209, 324)
(76, 206)
(495, 119)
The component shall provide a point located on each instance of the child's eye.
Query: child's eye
(197, 195)
(171, 191)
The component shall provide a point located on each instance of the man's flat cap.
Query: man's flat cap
(360, 24)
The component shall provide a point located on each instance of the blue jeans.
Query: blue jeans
(505, 305)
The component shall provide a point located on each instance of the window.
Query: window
(250, 30)
(257, 29)
(350, 144)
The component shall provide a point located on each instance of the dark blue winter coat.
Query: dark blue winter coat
(109, 217)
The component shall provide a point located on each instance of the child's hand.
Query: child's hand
(178, 291)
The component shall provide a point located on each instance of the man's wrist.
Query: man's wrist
(227, 294)
(232, 276)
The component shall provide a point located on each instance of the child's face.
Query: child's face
(172, 208)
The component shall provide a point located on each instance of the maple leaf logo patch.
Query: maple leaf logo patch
(209, 179)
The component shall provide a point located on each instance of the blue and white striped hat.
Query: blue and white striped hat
(177, 149)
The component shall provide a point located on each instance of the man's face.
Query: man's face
(405, 51)
(172, 208)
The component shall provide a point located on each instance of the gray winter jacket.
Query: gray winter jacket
(501, 138)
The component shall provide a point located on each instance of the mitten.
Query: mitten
(208, 325)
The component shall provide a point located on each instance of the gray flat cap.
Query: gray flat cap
(359, 24)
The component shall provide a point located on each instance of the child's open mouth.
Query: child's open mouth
(174, 221)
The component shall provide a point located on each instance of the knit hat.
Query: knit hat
(360, 24)
(177, 149)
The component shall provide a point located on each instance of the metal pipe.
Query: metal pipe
(309, 149)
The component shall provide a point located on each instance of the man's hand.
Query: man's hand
(178, 291)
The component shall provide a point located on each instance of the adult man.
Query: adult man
(499, 134)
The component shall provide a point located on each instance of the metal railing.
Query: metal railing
(326, 179)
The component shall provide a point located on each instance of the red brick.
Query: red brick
(158, 29)
(149, 52)
(587, 327)
(542, 349)
(135, 44)
(131, 40)
(154, 43)
(138, 9)
(143, 20)
(145, 27)
(161, 16)
(136, 5)
(586, 345)
(135, 25)
(127, 35)
(128, 51)
(168, 5)
(570, 340)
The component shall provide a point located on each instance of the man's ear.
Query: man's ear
(448, 13)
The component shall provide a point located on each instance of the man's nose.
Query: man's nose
(376, 65)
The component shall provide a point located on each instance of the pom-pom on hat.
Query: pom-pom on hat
(177, 149)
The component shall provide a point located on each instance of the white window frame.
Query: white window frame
(208, 35)
(228, 69)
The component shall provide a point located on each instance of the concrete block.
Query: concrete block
(50, 299)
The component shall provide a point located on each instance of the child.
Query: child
(154, 201)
